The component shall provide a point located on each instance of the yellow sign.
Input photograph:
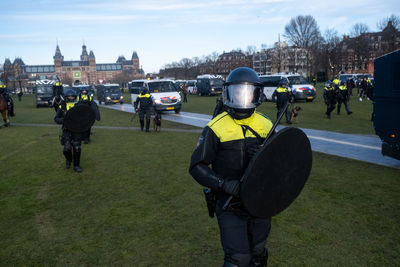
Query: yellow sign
(77, 74)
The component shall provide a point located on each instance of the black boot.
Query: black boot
(68, 158)
(67, 164)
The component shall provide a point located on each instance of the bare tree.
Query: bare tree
(303, 32)
(331, 53)
(251, 49)
(390, 27)
(360, 45)
(358, 29)
(393, 19)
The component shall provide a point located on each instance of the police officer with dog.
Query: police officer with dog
(329, 98)
(75, 120)
(282, 95)
(228, 143)
(143, 105)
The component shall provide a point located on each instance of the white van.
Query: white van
(300, 87)
(164, 92)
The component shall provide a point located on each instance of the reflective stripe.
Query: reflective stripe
(146, 95)
(228, 129)
(342, 87)
(282, 90)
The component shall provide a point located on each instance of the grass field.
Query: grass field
(135, 204)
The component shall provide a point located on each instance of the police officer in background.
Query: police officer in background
(85, 98)
(70, 140)
(8, 99)
(343, 97)
(58, 95)
(329, 98)
(227, 143)
(282, 95)
(143, 105)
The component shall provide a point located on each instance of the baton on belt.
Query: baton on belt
(228, 201)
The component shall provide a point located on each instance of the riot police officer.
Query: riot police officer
(329, 98)
(58, 95)
(143, 105)
(227, 143)
(70, 140)
(343, 97)
(8, 99)
(282, 95)
(85, 98)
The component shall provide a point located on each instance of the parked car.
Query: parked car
(109, 94)
(209, 84)
(300, 87)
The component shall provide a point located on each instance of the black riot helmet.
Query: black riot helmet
(283, 83)
(83, 91)
(242, 92)
(70, 95)
(328, 84)
(143, 90)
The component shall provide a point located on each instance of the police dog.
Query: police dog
(157, 122)
(295, 113)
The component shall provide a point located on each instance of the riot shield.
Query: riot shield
(79, 118)
(277, 173)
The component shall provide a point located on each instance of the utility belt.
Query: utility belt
(211, 201)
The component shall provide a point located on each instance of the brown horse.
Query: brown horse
(4, 112)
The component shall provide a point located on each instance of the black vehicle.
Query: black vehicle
(209, 84)
(386, 100)
(44, 93)
(109, 94)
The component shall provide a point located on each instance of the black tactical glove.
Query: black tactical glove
(252, 149)
(231, 187)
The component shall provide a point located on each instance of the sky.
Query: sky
(164, 31)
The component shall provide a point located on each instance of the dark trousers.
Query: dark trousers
(243, 238)
(142, 114)
(344, 100)
(280, 106)
(184, 97)
(72, 146)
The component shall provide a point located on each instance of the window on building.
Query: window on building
(46, 69)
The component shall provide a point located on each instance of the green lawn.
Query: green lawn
(135, 204)
(312, 115)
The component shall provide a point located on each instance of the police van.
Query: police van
(299, 86)
(209, 84)
(164, 93)
(44, 92)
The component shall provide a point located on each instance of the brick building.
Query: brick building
(85, 70)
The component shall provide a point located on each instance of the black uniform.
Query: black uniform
(227, 145)
(87, 100)
(143, 105)
(70, 140)
(343, 97)
(330, 99)
(282, 96)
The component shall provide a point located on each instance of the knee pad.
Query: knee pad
(76, 146)
(67, 146)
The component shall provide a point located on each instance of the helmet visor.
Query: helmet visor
(241, 96)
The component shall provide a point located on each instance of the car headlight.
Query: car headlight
(121, 97)
(108, 98)
(212, 89)
(38, 98)
(157, 101)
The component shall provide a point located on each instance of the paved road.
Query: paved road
(359, 147)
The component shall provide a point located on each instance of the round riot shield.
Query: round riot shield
(277, 173)
(79, 118)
